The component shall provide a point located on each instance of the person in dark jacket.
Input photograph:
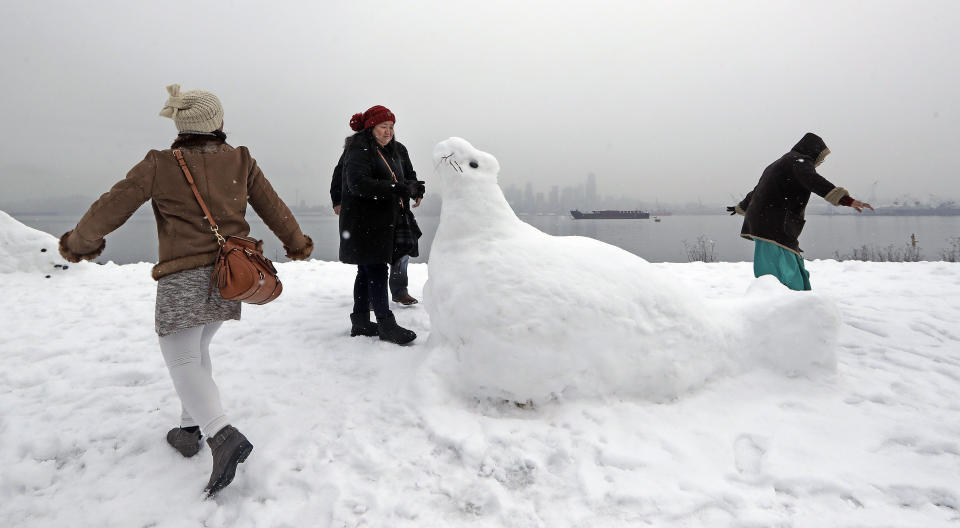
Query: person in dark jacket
(398, 270)
(375, 199)
(774, 210)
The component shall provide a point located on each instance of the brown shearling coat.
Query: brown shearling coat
(227, 178)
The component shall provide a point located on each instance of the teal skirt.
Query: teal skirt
(785, 265)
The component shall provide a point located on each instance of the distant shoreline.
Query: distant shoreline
(146, 211)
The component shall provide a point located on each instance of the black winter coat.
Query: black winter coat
(369, 204)
(774, 209)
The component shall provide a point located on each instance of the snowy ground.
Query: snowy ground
(344, 435)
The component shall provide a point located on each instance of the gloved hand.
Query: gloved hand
(417, 188)
(849, 201)
(732, 210)
(402, 190)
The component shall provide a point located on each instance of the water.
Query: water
(664, 241)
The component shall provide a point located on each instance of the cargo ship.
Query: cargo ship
(609, 215)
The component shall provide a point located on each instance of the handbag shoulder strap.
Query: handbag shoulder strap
(389, 168)
(395, 180)
(196, 192)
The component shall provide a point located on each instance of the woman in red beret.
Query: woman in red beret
(376, 225)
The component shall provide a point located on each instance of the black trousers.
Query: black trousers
(370, 287)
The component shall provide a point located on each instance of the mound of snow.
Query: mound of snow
(520, 315)
(24, 248)
(789, 331)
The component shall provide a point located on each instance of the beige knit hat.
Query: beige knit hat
(193, 111)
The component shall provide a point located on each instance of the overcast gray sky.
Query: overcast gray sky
(676, 101)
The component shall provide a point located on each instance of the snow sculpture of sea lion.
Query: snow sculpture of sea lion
(521, 315)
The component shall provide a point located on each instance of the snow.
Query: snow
(353, 432)
(512, 308)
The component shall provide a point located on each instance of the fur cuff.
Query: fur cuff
(70, 256)
(303, 252)
(834, 196)
(739, 210)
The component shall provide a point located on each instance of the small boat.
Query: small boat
(609, 215)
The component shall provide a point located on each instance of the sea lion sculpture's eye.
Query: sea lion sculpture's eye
(474, 164)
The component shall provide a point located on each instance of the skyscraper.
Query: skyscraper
(591, 191)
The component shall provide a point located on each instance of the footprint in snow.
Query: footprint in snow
(748, 453)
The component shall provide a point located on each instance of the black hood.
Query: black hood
(810, 145)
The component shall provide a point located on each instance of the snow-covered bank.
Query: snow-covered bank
(341, 441)
(26, 249)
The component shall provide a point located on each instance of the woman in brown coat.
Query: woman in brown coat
(188, 311)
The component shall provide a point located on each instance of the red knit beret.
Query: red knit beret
(372, 117)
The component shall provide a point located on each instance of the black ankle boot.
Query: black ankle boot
(405, 299)
(362, 325)
(186, 441)
(229, 448)
(390, 331)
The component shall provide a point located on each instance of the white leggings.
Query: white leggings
(187, 355)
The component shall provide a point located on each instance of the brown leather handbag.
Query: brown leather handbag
(241, 273)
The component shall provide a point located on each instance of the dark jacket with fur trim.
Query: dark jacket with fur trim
(369, 206)
(228, 178)
(774, 209)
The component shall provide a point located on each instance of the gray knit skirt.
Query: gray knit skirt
(185, 300)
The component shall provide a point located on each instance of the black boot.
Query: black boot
(362, 325)
(394, 333)
(229, 448)
(186, 441)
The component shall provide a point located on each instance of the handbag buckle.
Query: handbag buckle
(216, 231)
